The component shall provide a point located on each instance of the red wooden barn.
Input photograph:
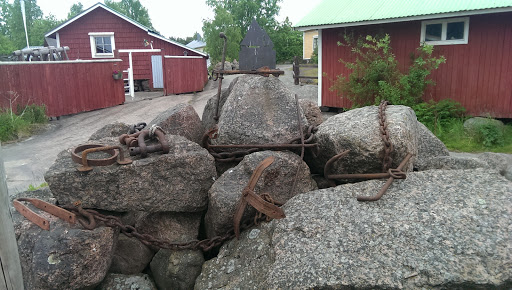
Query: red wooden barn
(102, 33)
(474, 36)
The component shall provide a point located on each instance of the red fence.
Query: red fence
(184, 74)
(65, 87)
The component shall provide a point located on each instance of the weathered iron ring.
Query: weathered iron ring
(76, 155)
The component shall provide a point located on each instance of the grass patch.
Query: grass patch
(309, 72)
(14, 125)
(33, 188)
(455, 138)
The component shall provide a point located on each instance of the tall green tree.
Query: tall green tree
(287, 42)
(75, 9)
(234, 17)
(132, 9)
(223, 22)
(12, 30)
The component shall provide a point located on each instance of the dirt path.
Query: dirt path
(27, 161)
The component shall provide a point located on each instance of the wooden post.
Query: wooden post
(296, 71)
(10, 267)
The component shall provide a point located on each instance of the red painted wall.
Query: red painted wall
(64, 87)
(184, 75)
(477, 74)
(126, 36)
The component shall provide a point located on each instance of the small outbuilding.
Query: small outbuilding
(475, 37)
(99, 32)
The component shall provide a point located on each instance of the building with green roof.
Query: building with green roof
(475, 36)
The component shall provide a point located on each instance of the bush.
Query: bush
(491, 135)
(437, 115)
(375, 74)
(12, 125)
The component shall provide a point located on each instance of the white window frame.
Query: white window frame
(94, 54)
(313, 44)
(444, 23)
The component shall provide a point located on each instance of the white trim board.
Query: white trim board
(59, 61)
(181, 56)
(139, 50)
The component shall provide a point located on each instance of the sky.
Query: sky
(179, 18)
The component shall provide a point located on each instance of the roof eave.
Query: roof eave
(91, 9)
(176, 43)
(403, 19)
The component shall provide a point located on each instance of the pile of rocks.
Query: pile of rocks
(443, 226)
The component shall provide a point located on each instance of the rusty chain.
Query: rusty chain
(388, 146)
(91, 219)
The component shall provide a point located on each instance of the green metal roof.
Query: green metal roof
(332, 12)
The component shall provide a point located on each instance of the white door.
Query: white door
(158, 75)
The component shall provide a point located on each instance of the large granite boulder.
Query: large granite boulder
(127, 282)
(434, 230)
(176, 270)
(65, 257)
(473, 125)
(259, 110)
(177, 181)
(174, 227)
(311, 111)
(181, 120)
(131, 256)
(358, 131)
(115, 129)
(276, 180)
(209, 110)
(429, 146)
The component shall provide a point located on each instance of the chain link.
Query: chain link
(388, 146)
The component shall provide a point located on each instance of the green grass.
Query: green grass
(14, 125)
(32, 188)
(310, 72)
(457, 139)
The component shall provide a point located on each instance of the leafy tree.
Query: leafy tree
(375, 73)
(133, 9)
(244, 11)
(223, 22)
(186, 40)
(287, 42)
(12, 30)
(75, 9)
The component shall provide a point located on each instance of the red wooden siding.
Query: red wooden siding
(184, 74)
(477, 74)
(126, 36)
(64, 87)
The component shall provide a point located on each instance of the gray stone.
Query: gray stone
(358, 131)
(311, 111)
(235, 65)
(434, 230)
(429, 146)
(66, 256)
(181, 120)
(472, 125)
(498, 161)
(259, 110)
(227, 66)
(209, 110)
(131, 256)
(176, 270)
(276, 180)
(453, 162)
(127, 282)
(177, 181)
(508, 173)
(111, 130)
(174, 227)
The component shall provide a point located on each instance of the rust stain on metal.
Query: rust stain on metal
(250, 197)
(86, 163)
(42, 205)
(144, 149)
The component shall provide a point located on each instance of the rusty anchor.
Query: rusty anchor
(79, 155)
(144, 149)
(255, 200)
(45, 206)
(129, 140)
